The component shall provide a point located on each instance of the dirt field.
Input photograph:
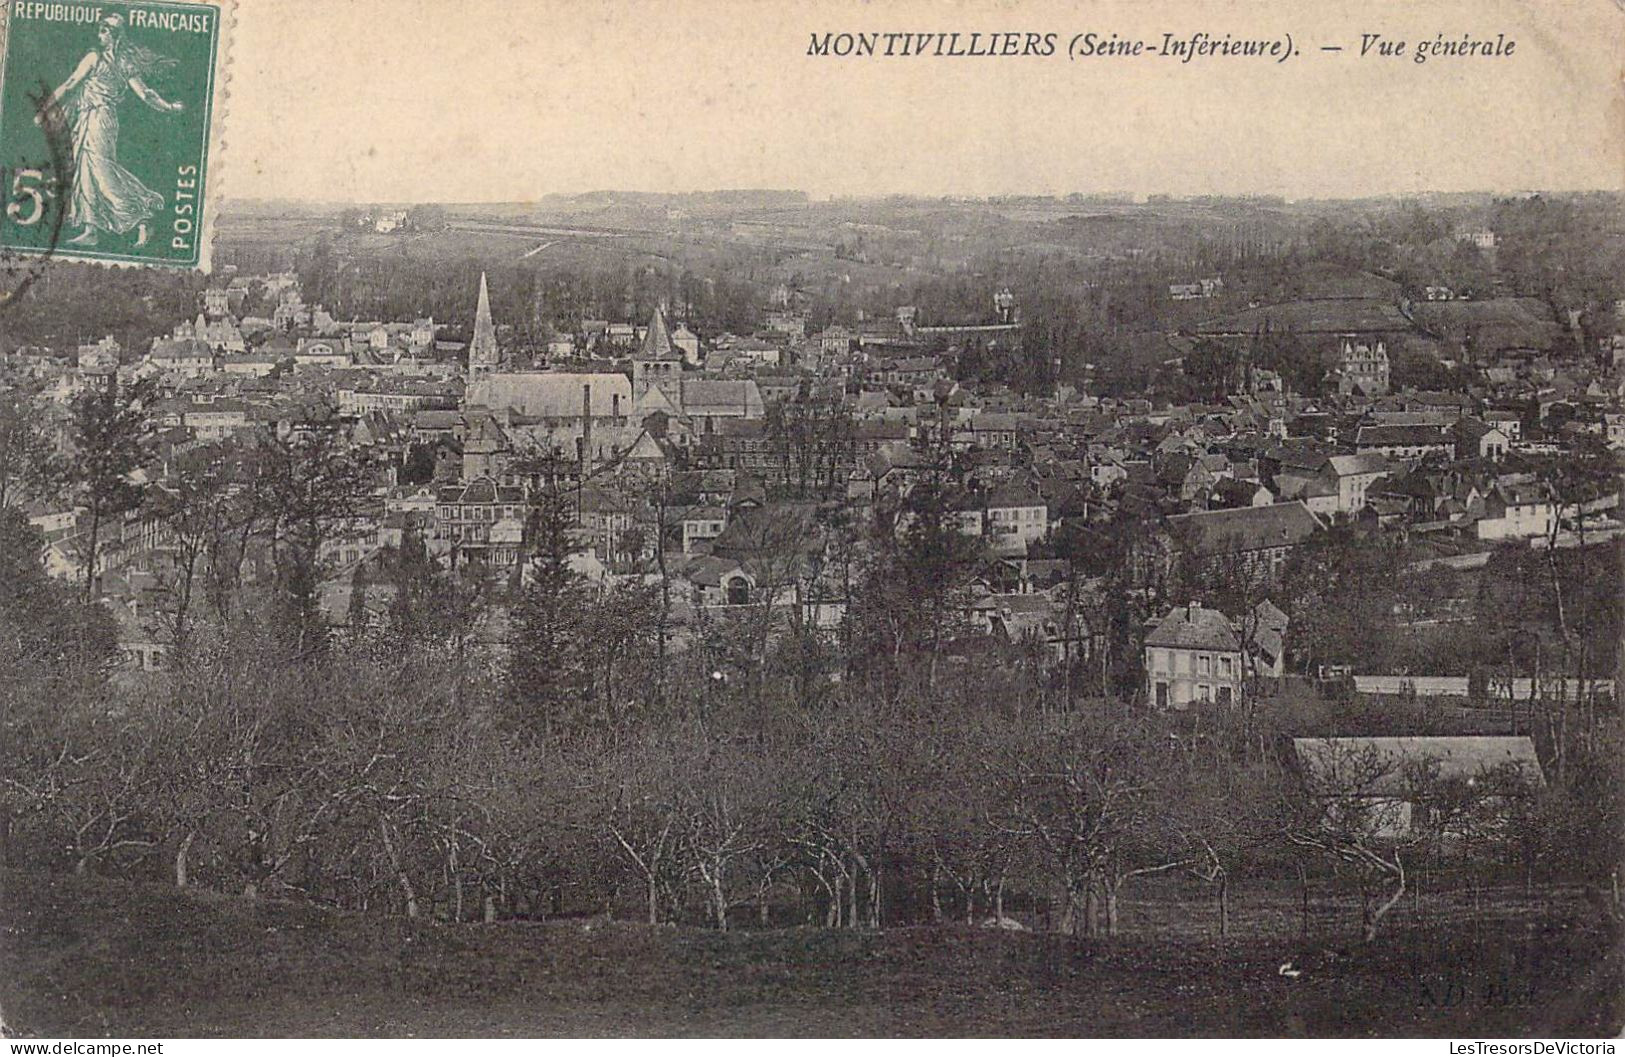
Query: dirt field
(85, 957)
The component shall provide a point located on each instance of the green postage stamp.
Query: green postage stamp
(108, 115)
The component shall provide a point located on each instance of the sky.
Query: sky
(510, 100)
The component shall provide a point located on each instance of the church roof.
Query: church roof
(708, 396)
(553, 394)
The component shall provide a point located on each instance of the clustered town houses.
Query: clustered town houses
(722, 454)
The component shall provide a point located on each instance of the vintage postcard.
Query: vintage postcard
(930, 519)
(107, 115)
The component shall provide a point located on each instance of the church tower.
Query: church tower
(657, 362)
(482, 351)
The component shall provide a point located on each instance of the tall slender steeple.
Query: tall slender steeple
(482, 351)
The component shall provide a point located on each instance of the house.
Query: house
(405, 499)
(1389, 782)
(142, 635)
(1106, 470)
(686, 342)
(604, 519)
(1475, 438)
(1260, 537)
(1354, 475)
(1016, 516)
(744, 444)
(1517, 508)
(1451, 403)
(253, 364)
(1184, 476)
(487, 446)
(1200, 289)
(1264, 632)
(1312, 490)
(220, 335)
(1614, 425)
(1035, 619)
(720, 581)
(322, 352)
(909, 372)
(480, 522)
(1405, 442)
(1231, 492)
(707, 401)
(1193, 655)
(1508, 422)
(216, 419)
(100, 358)
(185, 356)
(702, 523)
(987, 431)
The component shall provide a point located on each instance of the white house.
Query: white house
(1517, 509)
(1015, 517)
(1193, 655)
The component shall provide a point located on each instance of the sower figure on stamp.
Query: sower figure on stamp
(105, 195)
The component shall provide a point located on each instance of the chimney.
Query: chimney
(586, 426)
(1195, 608)
(615, 405)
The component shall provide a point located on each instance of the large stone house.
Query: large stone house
(480, 523)
(1193, 655)
(1260, 538)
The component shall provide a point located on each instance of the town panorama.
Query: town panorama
(741, 613)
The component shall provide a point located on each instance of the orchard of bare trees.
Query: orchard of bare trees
(466, 749)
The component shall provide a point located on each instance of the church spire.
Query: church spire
(482, 350)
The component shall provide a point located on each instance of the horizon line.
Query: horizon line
(1121, 197)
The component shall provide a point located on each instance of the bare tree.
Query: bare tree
(1370, 809)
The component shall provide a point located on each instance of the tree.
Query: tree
(912, 597)
(614, 634)
(726, 798)
(49, 634)
(25, 444)
(1090, 801)
(814, 437)
(315, 487)
(193, 503)
(545, 656)
(1369, 809)
(110, 438)
(419, 466)
(1339, 589)
(630, 790)
(426, 217)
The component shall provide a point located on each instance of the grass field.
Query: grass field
(86, 957)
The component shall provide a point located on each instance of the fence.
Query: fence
(1521, 689)
(1332, 909)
